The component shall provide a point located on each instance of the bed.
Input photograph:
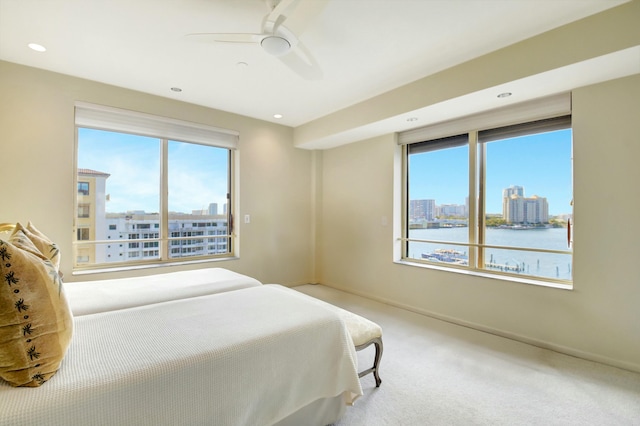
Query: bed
(227, 351)
(91, 297)
(204, 360)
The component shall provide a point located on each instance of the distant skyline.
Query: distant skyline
(540, 163)
(197, 173)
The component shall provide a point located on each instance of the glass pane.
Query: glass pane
(118, 195)
(438, 186)
(536, 264)
(439, 253)
(528, 195)
(528, 185)
(198, 207)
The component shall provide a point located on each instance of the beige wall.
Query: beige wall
(37, 170)
(599, 319)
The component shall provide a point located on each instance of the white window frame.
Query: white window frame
(165, 129)
(541, 109)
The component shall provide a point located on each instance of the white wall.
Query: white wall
(598, 319)
(37, 173)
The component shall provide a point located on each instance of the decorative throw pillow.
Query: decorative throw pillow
(35, 320)
(42, 243)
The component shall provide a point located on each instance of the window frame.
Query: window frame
(476, 243)
(166, 130)
(84, 210)
(82, 191)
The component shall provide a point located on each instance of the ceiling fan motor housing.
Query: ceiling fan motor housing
(275, 45)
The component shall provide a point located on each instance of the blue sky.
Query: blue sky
(197, 173)
(540, 163)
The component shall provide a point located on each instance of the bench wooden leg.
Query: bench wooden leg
(376, 362)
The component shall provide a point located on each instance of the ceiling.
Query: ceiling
(363, 47)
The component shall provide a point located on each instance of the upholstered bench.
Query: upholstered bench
(364, 333)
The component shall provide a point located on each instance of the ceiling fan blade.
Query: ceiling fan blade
(278, 39)
(300, 16)
(277, 16)
(228, 37)
(300, 61)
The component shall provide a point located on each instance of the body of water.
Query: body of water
(547, 265)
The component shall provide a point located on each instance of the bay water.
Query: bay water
(547, 265)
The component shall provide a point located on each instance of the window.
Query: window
(84, 210)
(83, 188)
(496, 201)
(83, 234)
(152, 173)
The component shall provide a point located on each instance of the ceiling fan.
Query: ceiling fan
(277, 39)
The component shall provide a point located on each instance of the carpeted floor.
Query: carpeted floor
(438, 373)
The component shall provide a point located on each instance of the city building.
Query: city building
(200, 233)
(516, 208)
(189, 235)
(91, 219)
(451, 210)
(513, 190)
(422, 210)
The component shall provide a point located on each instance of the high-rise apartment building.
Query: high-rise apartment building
(516, 208)
(90, 220)
(201, 233)
(513, 190)
(420, 210)
(449, 210)
(189, 235)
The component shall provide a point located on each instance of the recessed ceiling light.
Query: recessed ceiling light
(277, 116)
(412, 119)
(176, 89)
(505, 95)
(37, 47)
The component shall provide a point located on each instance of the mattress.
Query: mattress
(90, 297)
(254, 356)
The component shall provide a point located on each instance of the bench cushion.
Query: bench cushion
(361, 329)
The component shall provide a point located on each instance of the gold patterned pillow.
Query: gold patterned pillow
(48, 248)
(35, 320)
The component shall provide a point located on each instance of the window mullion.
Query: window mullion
(481, 149)
(473, 208)
(405, 197)
(164, 199)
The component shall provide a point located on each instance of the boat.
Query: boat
(447, 256)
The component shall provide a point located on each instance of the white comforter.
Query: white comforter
(91, 297)
(246, 357)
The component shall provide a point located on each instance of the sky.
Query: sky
(540, 163)
(197, 173)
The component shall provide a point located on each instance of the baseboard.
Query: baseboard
(502, 333)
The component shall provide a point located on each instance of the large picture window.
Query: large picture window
(155, 195)
(496, 201)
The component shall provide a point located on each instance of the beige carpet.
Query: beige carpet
(438, 373)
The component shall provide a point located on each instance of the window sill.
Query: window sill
(101, 270)
(488, 275)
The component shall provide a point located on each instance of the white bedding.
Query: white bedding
(90, 297)
(247, 357)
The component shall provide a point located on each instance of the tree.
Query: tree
(492, 221)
